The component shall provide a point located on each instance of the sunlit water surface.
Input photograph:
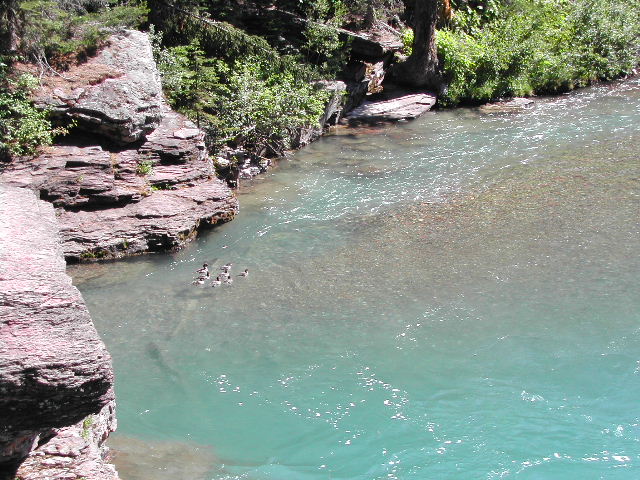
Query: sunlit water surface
(455, 297)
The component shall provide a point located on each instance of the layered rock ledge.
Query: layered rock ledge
(139, 178)
(54, 369)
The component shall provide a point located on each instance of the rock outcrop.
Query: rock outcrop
(117, 93)
(141, 180)
(74, 453)
(163, 221)
(54, 369)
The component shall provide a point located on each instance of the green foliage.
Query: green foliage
(407, 41)
(537, 46)
(86, 426)
(50, 30)
(145, 167)
(323, 45)
(23, 127)
(384, 9)
(250, 102)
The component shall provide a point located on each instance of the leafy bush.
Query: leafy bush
(251, 102)
(323, 45)
(145, 167)
(542, 46)
(407, 41)
(23, 127)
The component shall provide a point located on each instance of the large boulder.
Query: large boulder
(117, 93)
(54, 369)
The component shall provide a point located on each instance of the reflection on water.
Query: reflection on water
(450, 298)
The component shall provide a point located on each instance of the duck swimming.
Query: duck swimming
(216, 282)
(245, 273)
(201, 279)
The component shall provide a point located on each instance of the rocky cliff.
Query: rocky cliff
(134, 176)
(54, 369)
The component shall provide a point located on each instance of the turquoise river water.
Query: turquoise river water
(451, 298)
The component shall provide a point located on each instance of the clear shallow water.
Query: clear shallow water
(454, 297)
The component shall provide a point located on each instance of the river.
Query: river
(453, 297)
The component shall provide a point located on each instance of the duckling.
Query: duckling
(245, 273)
(204, 270)
(201, 279)
(217, 282)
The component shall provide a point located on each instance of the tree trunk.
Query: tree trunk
(421, 68)
(10, 21)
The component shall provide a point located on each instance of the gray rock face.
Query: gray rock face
(404, 107)
(367, 47)
(117, 93)
(74, 452)
(54, 369)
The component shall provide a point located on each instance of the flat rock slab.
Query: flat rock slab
(405, 107)
(54, 368)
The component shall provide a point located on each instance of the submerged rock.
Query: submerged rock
(54, 369)
(162, 460)
(513, 105)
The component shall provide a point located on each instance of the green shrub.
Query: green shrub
(145, 167)
(23, 127)
(407, 41)
(323, 46)
(540, 46)
(50, 30)
(251, 102)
